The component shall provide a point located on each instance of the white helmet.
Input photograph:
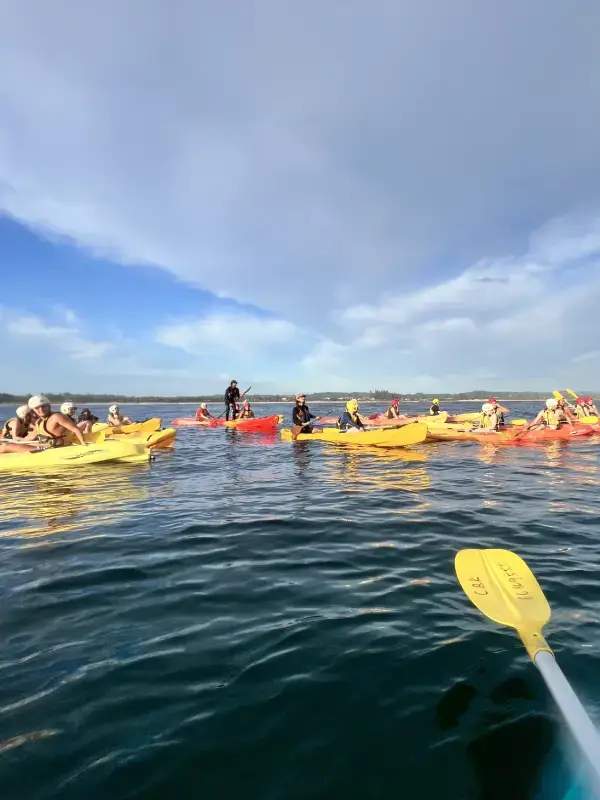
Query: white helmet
(551, 403)
(68, 408)
(37, 401)
(487, 408)
(202, 405)
(113, 409)
(22, 411)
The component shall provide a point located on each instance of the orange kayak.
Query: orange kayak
(511, 436)
(255, 424)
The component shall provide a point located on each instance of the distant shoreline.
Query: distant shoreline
(315, 401)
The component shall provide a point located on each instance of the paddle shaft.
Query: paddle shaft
(576, 717)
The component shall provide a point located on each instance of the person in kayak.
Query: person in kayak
(488, 419)
(115, 419)
(18, 429)
(500, 410)
(434, 408)
(301, 417)
(563, 408)
(393, 411)
(586, 407)
(551, 416)
(203, 414)
(246, 412)
(350, 419)
(68, 409)
(232, 397)
(87, 416)
(52, 428)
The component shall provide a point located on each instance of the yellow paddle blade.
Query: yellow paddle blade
(95, 437)
(557, 395)
(518, 422)
(572, 393)
(503, 588)
(588, 420)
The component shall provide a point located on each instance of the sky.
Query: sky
(300, 196)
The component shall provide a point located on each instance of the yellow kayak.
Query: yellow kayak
(149, 426)
(434, 420)
(381, 437)
(472, 416)
(58, 458)
(159, 440)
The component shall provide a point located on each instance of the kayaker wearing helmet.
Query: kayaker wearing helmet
(350, 419)
(203, 414)
(69, 409)
(115, 419)
(232, 397)
(552, 416)
(488, 419)
(53, 428)
(500, 410)
(18, 429)
(247, 412)
(434, 408)
(586, 407)
(393, 411)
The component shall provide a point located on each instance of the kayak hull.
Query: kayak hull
(148, 426)
(70, 456)
(397, 437)
(510, 436)
(256, 424)
(159, 440)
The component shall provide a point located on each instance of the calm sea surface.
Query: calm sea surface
(247, 618)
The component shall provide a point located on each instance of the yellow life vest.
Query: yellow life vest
(551, 418)
(484, 421)
(49, 439)
(6, 432)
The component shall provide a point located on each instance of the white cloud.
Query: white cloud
(67, 339)
(274, 160)
(227, 332)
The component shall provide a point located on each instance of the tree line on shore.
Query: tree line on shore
(376, 394)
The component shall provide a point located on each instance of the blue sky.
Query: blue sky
(405, 195)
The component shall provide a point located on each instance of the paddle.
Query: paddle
(559, 396)
(501, 585)
(224, 412)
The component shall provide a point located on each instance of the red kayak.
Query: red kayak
(255, 424)
(565, 432)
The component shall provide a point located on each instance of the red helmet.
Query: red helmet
(395, 401)
(580, 401)
(589, 401)
(493, 401)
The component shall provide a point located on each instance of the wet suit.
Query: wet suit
(300, 415)
(232, 396)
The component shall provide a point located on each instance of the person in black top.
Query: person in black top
(301, 417)
(232, 396)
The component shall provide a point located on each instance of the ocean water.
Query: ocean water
(247, 618)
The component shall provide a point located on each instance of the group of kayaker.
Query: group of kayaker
(36, 425)
(233, 408)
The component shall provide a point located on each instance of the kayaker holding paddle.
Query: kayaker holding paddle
(499, 410)
(301, 417)
(488, 419)
(232, 397)
(551, 416)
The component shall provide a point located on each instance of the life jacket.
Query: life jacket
(551, 418)
(247, 413)
(202, 414)
(45, 437)
(354, 417)
(392, 412)
(434, 410)
(114, 424)
(484, 421)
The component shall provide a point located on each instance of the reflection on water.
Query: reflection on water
(361, 469)
(36, 506)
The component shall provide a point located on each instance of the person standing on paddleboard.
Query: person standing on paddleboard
(301, 417)
(232, 397)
